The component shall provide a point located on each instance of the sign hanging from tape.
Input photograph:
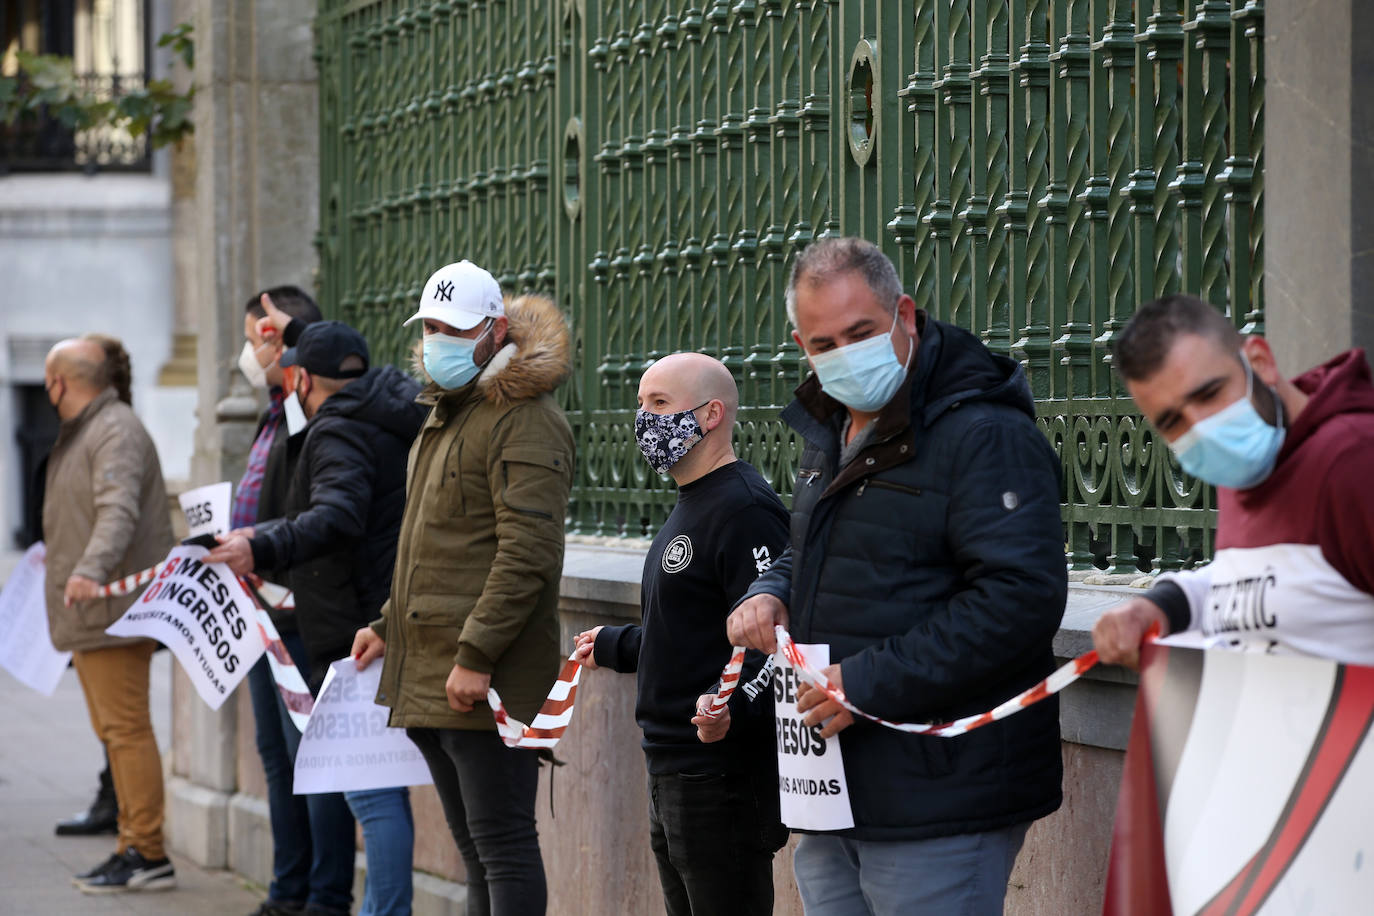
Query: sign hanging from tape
(201, 612)
(812, 791)
(26, 649)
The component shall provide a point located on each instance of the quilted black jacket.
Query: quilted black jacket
(933, 565)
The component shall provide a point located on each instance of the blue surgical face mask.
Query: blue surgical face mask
(865, 375)
(1234, 447)
(449, 360)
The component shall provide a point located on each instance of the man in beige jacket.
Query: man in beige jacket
(105, 515)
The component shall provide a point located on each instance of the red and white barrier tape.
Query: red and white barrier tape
(729, 680)
(557, 711)
(126, 586)
(553, 718)
(1056, 682)
(295, 694)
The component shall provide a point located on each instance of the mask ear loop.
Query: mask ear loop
(910, 343)
(1280, 420)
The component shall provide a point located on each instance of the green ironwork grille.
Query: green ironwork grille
(1035, 168)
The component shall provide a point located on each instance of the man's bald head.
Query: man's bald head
(74, 373)
(684, 381)
(79, 361)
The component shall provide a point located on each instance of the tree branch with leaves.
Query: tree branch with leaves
(48, 84)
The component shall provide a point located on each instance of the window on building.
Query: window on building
(109, 44)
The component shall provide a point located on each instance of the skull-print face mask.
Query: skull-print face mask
(665, 437)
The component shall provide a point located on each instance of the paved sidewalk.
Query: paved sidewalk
(49, 761)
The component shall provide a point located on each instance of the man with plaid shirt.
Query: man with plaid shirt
(312, 835)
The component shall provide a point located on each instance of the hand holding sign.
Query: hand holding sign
(820, 708)
(234, 551)
(367, 646)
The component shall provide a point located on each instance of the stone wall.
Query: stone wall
(593, 816)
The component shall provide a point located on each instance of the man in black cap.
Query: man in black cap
(337, 542)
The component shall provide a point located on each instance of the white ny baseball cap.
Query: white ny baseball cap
(461, 295)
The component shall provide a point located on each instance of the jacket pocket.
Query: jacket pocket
(439, 610)
(534, 481)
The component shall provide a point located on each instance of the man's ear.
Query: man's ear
(906, 314)
(715, 414)
(1266, 369)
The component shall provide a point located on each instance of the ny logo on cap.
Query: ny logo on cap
(444, 291)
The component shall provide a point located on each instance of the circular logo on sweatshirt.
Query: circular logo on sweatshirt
(678, 554)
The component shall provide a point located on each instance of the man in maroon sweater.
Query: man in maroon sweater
(1291, 460)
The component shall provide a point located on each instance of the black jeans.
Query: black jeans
(713, 836)
(487, 790)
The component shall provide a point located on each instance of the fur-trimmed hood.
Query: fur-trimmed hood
(536, 358)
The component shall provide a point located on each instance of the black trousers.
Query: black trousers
(713, 837)
(487, 791)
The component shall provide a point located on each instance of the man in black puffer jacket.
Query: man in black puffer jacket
(345, 495)
(927, 551)
(345, 491)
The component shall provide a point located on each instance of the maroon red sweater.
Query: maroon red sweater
(1294, 566)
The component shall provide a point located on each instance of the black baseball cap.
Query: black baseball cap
(322, 348)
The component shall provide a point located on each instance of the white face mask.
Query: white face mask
(250, 367)
(295, 416)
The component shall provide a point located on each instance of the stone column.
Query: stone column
(180, 368)
(252, 222)
(1319, 211)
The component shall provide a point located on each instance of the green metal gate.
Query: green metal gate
(1035, 168)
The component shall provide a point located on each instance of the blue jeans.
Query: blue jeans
(389, 841)
(325, 843)
(287, 812)
(487, 792)
(964, 875)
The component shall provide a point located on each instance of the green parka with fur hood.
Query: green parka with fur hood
(480, 551)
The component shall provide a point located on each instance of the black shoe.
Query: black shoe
(279, 908)
(100, 818)
(103, 867)
(130, 871)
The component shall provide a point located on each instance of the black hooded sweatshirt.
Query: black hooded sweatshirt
(345, 494)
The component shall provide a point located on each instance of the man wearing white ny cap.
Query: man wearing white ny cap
(474, 601)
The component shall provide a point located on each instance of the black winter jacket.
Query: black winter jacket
(342, 510)
(933, 565)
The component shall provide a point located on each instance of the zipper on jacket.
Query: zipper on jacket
(809, 475)
(889, 485)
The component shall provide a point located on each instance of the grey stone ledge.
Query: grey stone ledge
(198, 822)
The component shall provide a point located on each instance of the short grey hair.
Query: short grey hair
(824, 260)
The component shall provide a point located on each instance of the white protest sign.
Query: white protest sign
(25, 644)
(201, 612)
(207, 509)
(812, 791)
(347, 746)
